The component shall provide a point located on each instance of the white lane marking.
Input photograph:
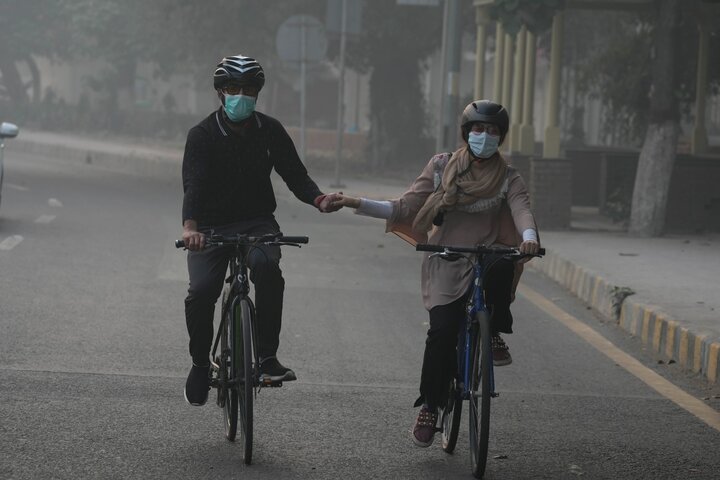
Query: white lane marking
(10, 242)
(45, 218)
(665, 388)
(54, 202)
(16, 187)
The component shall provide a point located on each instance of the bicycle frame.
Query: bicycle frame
(239, 280)
(476, 304)
(239, 289)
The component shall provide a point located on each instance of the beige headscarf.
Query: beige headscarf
(483, 181)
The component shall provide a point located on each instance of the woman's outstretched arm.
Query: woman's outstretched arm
(365, 206)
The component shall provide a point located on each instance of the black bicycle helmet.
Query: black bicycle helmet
(484, 111)
(239, 69)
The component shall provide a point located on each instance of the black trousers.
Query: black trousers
(440, 362)
(208, 269)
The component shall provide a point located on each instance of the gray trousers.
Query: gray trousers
(208, 269)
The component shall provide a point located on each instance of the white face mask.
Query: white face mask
(483, 145)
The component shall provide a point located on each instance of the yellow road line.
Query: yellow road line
(652, 379)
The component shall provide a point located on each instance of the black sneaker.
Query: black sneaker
(197, 385)
(272, 370)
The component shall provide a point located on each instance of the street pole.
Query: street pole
(341, 98)
(440, 134)
(453, 75)
(303, 73)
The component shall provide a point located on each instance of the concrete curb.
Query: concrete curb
(133, 160)
(695, 351)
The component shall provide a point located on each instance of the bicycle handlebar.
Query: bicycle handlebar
(244, 240)
(482, 250)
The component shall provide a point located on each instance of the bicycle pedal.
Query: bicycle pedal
(266, 382)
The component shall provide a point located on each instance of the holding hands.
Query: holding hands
(328, 203)
(332, 202)
(342, 200)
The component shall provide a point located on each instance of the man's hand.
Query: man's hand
(328, 203)
(193, 239)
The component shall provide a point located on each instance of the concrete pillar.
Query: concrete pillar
(499, 62)
(699, 140)
(516, 103)
(551, 147)
(527, 130)
(482, 20)
(507, 70)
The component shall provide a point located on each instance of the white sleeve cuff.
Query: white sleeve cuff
(530, 235)
(375, 208)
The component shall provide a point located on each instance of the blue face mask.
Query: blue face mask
(239, 107)
(483, 145)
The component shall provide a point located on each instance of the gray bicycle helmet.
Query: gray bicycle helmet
(239, 69)
(485, 111)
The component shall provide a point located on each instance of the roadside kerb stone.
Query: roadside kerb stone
(135, 160)
(694, 350)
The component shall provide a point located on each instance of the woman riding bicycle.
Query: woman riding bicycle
(466, 198)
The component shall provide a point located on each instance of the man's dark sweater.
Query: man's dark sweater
(226, 174)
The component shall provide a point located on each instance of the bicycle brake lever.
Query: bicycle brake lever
(283, 244)
(447, 256)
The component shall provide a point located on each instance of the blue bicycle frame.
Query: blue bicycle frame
(476, 304)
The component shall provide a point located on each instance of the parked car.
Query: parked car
(7, 130)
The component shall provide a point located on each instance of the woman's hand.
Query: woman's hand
(530, 247)
(342, 200)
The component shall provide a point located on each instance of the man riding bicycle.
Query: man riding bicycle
(228, 159)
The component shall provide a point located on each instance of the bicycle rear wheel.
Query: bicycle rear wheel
(228, 371)
(481, 388)
(247, 364)
(450, 419)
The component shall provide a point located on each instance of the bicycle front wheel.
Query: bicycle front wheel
(450, 419)
(481, 394)
(247, 364)
(228, 371)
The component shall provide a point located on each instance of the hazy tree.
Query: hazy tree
(394, 43)
(645, 75)
(615, 55)
(29, 28)
(657, 156)
(536, 15)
